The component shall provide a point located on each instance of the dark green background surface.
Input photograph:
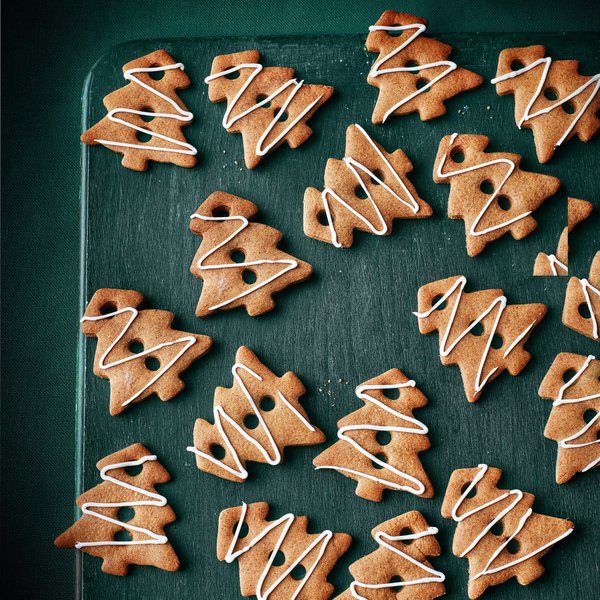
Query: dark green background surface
(47, 53)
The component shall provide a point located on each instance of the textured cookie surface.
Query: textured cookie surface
(267, 105)
(379, 444)
(238, 260)
(138, 350)
(124, 517)
(551, 97)
(145, 117)
(399, 568)
(412, 71)
(497, 530)
(366, 191)
(278, 559)
(573, 383)
(488, 190)
(255, 420)
(479, 331)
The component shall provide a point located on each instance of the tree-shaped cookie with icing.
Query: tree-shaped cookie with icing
(267, 105)
(366, 191)
(551, 97)
(412, 72)
(379, 444)
(573, 383)
(548, 265)
(479, 331)
(581, 310)
(238, 260)
(399, 567)
(254, 420)
(497, 530)
(124, 517)
(145, 117)
(138, 350)
(278, 559)
(489, 190)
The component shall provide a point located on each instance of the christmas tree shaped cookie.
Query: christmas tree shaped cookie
(399, 567)
(366, 190)
(573, 382)
(379, 443)
(138, 350)
(255, 420)
(479, 331)
(582, 303)
(238, 260)
(124, 517)
(278, 559)
(267, 105)
(551, 97)
(497, 530)
(488, 190)
(145, 118)
(412, 72)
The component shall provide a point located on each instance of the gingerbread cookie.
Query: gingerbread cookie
(497, 530)
(479, 331)
(267, 105)
(255, 420)
(551, 97)
(399, 567)
(573, 382)
(124, 517)
(558, 264)
(413, 72)
(582, 303)
(138, 350)
(488, 190)
(366, 190)
(145, 117)
(379, 444)
(278, 559)
(239, 261)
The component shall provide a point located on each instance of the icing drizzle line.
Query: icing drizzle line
(445, 350)
(287, 520)
(154, 500)
(257, 68)
(554, 262)
(353, 165)
(498, 161)
(376, 71)
(290, 263)
(518, 495)
(382, 539)
(562, 400)
(418, 429)
(220, 414)
(527, 115)
(180, 115)
(187, 340)
(585, 286)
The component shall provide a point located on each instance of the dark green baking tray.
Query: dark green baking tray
(351, 321)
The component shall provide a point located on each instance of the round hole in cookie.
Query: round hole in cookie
(220, 212)
(486, 186)
(513, 546)
(279, 559)
(421, 83)
(262, 97)
(584, 310)
(142, 137)
(382, 457)
(233, 74)
(568, 375)
(360, 193)
(516, 65)
(497, 529)
(152, 363)
(568, 107)
(473, 491)
(411, 64)
(251, 421)
(589, 415)
(497, 342)
(125, 514)
(156, 75)
(282, 117)
(457, 155)
(405, 532)
(237, 256)
(122, 536)
(477, 330)
(267, 404)
(550, 94)
(244, 530)
(298, 573)
(107, 308)
(379, 176)
(136, 346)
(322, 218)
(147, 118)
(217, 451)
(134, 470)
(391, 393)
(436, 299)
(396, 579)
(249, 276)
(383, 438)
(503, 202)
